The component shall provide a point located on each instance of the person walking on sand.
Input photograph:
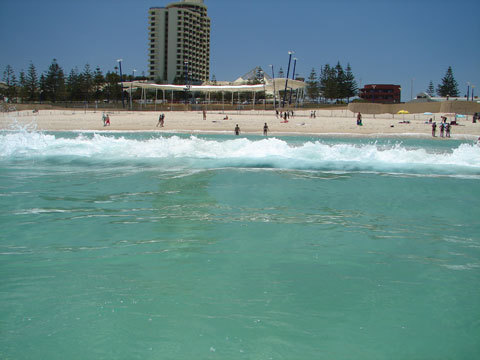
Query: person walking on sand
(447, 130)
(265, 129)
(434, 128)
(107, 121)
(237, 130)
(159, 123)
(204, 115)
(442, 128)
(104, 118)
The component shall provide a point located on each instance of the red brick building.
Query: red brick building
(381, 93)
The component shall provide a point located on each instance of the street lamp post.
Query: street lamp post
(131, 89)
(186, 82)
(468, 91)
(411, 89)
(293, 78)
(274, 92)
(286, 79)
(121, 80)
(473, 86)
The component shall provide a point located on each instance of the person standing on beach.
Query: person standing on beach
(204, 115)
(104, 118)
(442, 127)
(265, 129)
(237, 130)
(434, 128)
(359, 119)
(447, 130)
(107, 121)
(160, 120)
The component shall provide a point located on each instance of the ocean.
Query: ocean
(173, 246)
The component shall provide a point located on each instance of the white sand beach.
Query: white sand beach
(250, 122)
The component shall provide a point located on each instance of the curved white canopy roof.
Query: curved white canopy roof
(269, 86)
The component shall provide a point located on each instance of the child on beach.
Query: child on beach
(359, 119)
(237, 130)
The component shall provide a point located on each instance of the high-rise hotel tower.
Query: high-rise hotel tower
(179, 38)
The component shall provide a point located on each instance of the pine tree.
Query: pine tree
(112, 89)
(32, 82)
(98, 83)
(313, 89)
(328, 82)
(87, 82)
(74, 85)
(449, 86)
(11, 81)
(350, 84)
(341, 88)
(431, 89)
(55, 82)
(42, 87)
(23, 89)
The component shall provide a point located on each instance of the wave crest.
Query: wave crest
(243, 152)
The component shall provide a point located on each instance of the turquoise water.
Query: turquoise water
(143, 246)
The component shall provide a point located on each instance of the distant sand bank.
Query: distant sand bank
(250, 122)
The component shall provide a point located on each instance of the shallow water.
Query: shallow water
(135, 246)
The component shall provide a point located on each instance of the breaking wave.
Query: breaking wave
(196, 152)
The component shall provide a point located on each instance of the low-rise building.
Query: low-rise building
(381, 93)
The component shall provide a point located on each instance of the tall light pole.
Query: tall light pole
(274, 92)
(121, 80)
(186, 81)
(468, 91)
(286, 79)
(131, 89)
(411, 89)
(473, 86)
(293, 78)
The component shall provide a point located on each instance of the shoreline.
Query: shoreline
(327, 123)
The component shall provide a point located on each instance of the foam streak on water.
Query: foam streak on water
(175, 152)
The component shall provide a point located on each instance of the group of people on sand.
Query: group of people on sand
(444, 128)
(106, 119)
(285, 115)
(265, 129)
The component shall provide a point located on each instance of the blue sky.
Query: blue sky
(385, 41)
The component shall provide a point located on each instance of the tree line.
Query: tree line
(55, 86)
(333, 83)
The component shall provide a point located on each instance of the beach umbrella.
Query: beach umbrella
(403, 112)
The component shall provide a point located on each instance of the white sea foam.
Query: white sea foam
(243, 152)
